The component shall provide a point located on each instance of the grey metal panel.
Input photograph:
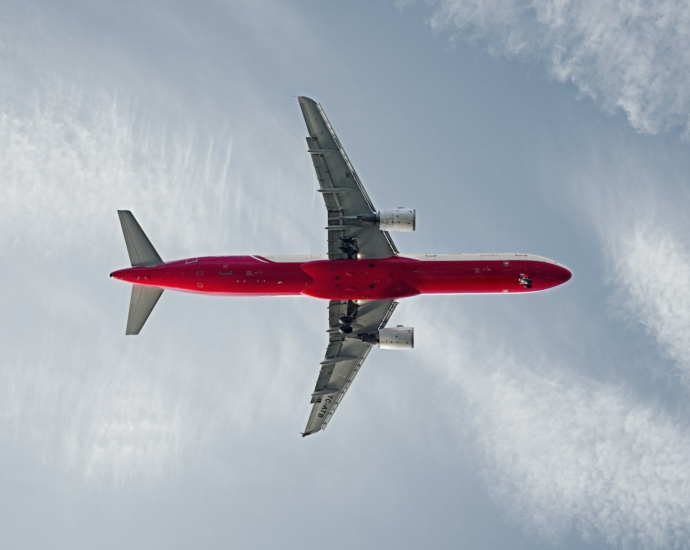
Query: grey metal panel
(343, 192)
(344, 356)
(142, 302)
(140, 249)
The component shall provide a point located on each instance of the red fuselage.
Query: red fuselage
(363, 279)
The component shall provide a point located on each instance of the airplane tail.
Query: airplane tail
(141, 253)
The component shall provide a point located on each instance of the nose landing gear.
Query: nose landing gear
(525, 281)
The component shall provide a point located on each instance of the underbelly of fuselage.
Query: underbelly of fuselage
(362, 279)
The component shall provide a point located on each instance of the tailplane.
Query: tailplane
(141, 304)
(140, 249)
(141, 254)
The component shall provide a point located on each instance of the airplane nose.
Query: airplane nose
(563, 274)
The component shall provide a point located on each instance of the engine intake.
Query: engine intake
(400, 219)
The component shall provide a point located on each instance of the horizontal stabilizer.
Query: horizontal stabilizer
(144, 299)
(140, 249)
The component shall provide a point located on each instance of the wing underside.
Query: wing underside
(344, 356)
(343, 192)
(350, 234)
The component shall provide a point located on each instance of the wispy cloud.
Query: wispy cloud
(94, 412)
(72, 151)
(77, 155)
(74, 147)
(633, 56)
(651, 264)
(115, 410)
(563, 453)
(638, 212)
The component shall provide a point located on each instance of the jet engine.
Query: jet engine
(396, 338)
(400, 219)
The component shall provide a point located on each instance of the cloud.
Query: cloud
(563, 453)
(77, 155)
(73, 149)
(94, 411)
(638, 212)
(633, 56)
(76, 144)
(114, 410)
(652, 266)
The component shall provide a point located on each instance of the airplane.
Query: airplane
(362, 276)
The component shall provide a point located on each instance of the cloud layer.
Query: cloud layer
(563, 453)
(72, 151)
(78, 154)
(633, 56)
(94, 411)
(652, 264)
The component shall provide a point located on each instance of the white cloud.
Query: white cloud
(652, 266)
(115, 410)
(639, 214)
(74, 147)
(565, 454)
(633, 56)
(96, 411)
(72, 151)
(78, 155)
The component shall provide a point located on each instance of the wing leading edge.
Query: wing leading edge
(344, 356)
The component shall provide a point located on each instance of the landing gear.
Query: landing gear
(347, 320)
(348, 246)
(348, 250)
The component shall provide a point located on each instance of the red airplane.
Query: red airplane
(362, 276)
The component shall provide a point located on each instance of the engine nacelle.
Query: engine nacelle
(400, 219)
(396, 338)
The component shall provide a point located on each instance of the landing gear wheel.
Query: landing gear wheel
(345, 329)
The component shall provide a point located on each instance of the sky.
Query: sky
(551, 127)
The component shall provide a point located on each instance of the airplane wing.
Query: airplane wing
(344, 355)
(342, 191)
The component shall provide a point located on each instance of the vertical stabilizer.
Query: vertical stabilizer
(143, 300)
(140, 249)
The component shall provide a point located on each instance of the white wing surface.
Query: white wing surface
(342, 191)
(344, 356)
